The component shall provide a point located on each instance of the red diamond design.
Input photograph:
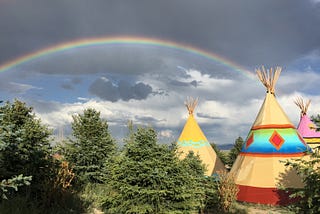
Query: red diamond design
(276, 140)
(249, 141)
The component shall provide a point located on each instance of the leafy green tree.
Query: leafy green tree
(234, 152)
(91, 146)
(24, 147)
(150, 178)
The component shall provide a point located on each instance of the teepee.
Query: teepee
(306, 127)
(258, 169)
(193, 139)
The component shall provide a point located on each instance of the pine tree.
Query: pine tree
(316, 120)
(150, 178)
(234, 152)
(223, 156)
(24, 147)
(91, 146)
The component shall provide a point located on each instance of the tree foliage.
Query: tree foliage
(223, 156)
(24, 147)
(13, 183)
(145, 177)
(316, 120)
(234, 152)
(150, 178)
(90, 147)
(307, 198)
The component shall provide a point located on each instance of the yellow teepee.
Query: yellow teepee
(193, 139)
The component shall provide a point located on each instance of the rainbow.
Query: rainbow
(122, 40)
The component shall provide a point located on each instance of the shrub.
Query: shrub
(227, 191)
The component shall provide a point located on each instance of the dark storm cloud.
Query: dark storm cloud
(193, 83)
(66, 86)
(147, 119)
(76, 80)
(203, 115)
(249, 32)
(69, 84)
(112, 59)
(15, 88)
(106, 90)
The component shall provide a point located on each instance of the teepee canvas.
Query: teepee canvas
(258, 169)
(306, 127)
(193, 139)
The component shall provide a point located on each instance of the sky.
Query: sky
(139, 60)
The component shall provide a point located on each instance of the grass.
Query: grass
(264, 209)
(91, 199)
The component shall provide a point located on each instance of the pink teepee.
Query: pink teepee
(306, 128)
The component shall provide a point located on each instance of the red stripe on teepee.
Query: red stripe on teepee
(273, 126)
(261, 195)
(300, 154)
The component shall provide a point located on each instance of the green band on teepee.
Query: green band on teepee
(195, 144)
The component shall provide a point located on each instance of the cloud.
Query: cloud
(243, 35)
(208, 116)
(315, 1)
(293, 81)
(166, 133)
(193, 83)
(66, 86)
(69, 84)
(106, 90)
(17, 88)
(83, 99)
(148, 84)
(145, 119)
(226, 110)
(221, 120)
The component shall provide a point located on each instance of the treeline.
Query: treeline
(88, 170)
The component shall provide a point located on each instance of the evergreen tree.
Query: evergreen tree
(13, 183)
(91, 146)
(223, 156)
(234, 152)
(150, 178)
(24, 147)
(316, 120)
(306, 199)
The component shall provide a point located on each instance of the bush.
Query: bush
(227, 191)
